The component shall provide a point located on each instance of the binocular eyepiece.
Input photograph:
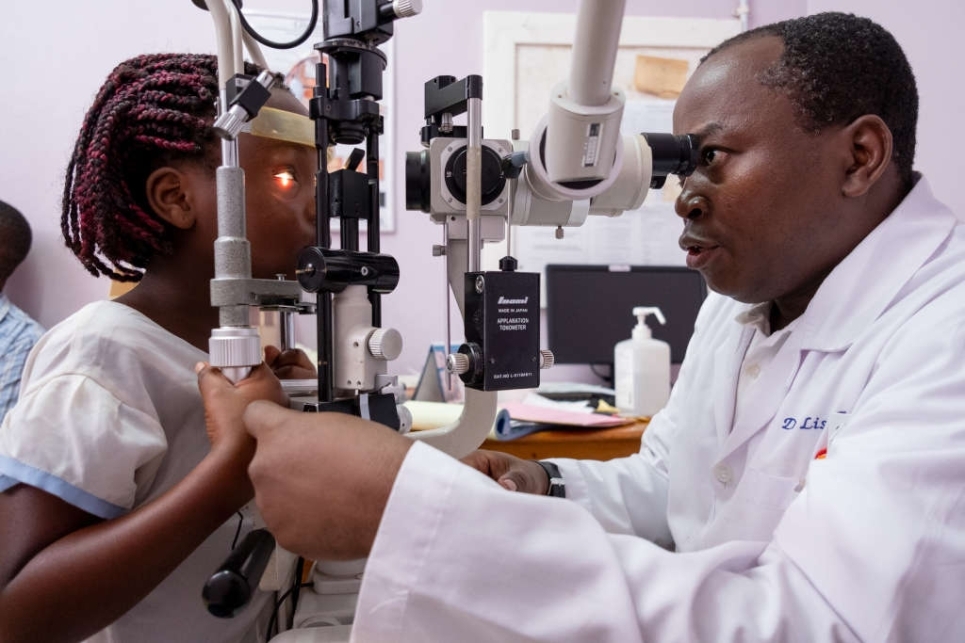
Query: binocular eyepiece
(671, 155)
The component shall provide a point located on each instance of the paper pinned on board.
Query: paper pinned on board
(663, 77)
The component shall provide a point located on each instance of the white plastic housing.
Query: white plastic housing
(584, 114)
(581, 140)
(356, 367)
(626, 190)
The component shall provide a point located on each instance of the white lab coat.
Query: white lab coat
(770, 543)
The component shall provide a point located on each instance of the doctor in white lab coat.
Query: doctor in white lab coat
(806, 481)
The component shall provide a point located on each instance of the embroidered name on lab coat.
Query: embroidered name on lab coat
(809, 422)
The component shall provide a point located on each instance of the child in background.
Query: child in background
(114, 508)
(18, 331)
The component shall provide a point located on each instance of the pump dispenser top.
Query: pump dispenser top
(641, 330)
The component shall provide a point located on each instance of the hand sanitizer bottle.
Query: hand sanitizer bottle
(641, 368)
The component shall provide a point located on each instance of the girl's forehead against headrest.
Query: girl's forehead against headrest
(282, 125)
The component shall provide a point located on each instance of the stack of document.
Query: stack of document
(537, 413)
(515, 419)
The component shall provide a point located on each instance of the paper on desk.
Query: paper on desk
(530, 418)
(432, 415)
(573, 406)
(550, 415)
(514, 419)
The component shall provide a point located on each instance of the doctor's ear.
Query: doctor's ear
(168, 194)
(869, 154)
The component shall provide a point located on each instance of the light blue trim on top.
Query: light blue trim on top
(13, 471)
(6, 482)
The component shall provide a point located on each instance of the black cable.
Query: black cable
(274, 614)
(241, 519)
(312, 22)
(296, 590)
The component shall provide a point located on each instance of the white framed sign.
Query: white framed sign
(525, 55)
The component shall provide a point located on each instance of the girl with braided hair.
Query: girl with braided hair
(115, 508)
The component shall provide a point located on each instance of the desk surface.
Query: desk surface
(591, 444)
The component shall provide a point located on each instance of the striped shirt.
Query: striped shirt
(18, 334)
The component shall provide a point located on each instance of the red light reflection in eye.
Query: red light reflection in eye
(285, 179)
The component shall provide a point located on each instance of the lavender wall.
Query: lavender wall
(930, 36)
(54, 57)
(52, 70)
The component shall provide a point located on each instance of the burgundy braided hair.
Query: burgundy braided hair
(152, 110)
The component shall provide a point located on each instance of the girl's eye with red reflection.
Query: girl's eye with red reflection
(285, 178)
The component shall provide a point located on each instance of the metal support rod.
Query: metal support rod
(594, 51)
(448, 296)
(286, 325)
(372, 170)
(348, 232)
(222, 24)
(237, 39)
(474, 181)
(324, 332)
(232, 252)
(374, 221)
(231, 248)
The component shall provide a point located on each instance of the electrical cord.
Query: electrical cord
(241, 519)
(296, 590)
(312, 22)
(273, 621)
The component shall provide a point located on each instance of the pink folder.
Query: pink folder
(548, 415)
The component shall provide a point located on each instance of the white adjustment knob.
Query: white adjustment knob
(546, 358)
(406, 8)
(235, 350)
(234, 346)
(457, 363)
(385, 344)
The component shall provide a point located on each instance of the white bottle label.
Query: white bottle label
(641, 372)
(623, 381)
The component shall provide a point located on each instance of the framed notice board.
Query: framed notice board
(525, 55)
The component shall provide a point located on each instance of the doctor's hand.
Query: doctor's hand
(224, 406)
(322, 480)
(509, 471)
(292, 364)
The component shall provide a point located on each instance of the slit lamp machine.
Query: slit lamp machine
(576, 163)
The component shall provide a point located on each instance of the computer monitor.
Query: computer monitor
(589, 308)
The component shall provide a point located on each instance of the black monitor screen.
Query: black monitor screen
(590, 308)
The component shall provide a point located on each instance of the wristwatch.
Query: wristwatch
(557, 486)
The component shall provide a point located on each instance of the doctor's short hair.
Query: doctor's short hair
(153, 110)
(15, 239)
(837, 67)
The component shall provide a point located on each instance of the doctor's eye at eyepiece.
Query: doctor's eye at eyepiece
(671, 155)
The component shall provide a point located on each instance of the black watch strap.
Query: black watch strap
(557, 487)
